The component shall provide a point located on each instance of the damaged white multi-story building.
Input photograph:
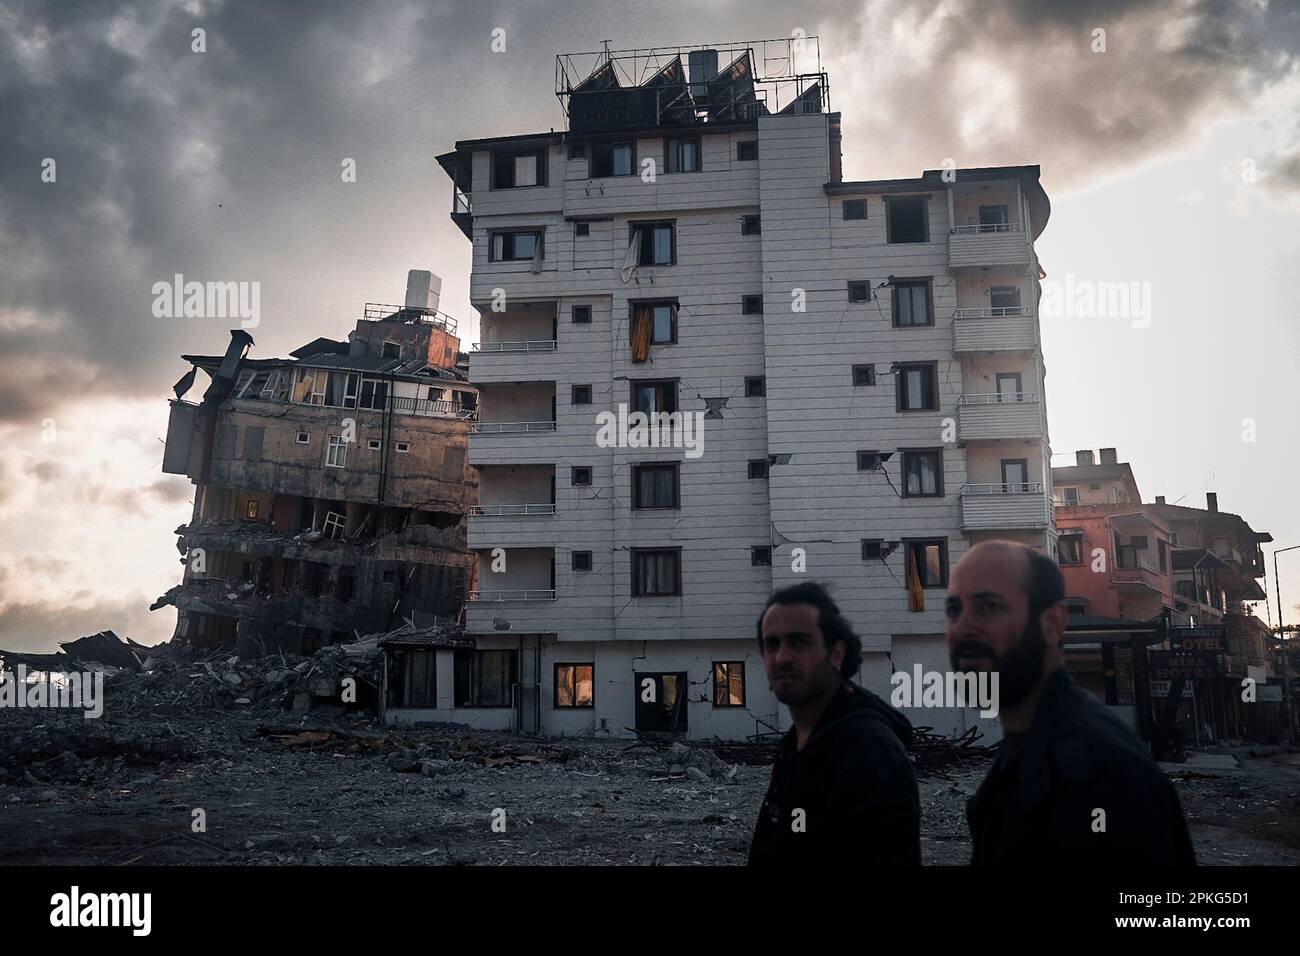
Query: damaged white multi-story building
(331, 487)
(865, 356)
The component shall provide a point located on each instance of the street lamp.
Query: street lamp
(1281, 636)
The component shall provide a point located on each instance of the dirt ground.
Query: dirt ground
(351, 792)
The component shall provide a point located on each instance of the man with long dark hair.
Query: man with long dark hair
(842, 787)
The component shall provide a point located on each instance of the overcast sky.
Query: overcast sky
(1172, 158)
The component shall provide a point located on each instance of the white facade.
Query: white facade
(813, 419)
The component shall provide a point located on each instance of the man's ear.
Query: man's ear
(838, 651)
(1053, 624)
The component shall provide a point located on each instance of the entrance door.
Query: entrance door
(661, 702)
(1015, 475)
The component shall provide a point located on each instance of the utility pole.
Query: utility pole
(1281, 637)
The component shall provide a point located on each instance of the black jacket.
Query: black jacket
(1038, 805)
(854, 782)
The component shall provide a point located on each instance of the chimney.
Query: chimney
(1109, 456)
(1160, 499)
(1211, 501)
(1084, 457)
(423, 289)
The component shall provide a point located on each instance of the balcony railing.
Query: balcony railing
(377, 311)
(503, 596)
(1003, 488)
(996, 398)
(424, 406)
(990, 312)
(496, 510)
(533, 345)
(999, 415)
(985, 227)
(511, 427)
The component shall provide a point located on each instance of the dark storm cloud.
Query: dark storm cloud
(224, 165)
(36, 628)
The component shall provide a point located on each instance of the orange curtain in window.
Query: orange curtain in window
(915, 593)
(642, 326)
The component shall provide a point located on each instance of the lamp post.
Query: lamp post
(1281, 636)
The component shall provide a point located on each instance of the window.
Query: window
(922, 474)
(869, 460)
(1163, 550)
(1004, 297)
(747, 151)
(612, 159)
(403, 447)
(663, 323)
(758, 468)
(581, 475)
(1015, 475)
(392, 350)
(658, 242)
(574, 684)
(917, 387)
(751, 226)
(309, 386)
(656, 573)
(337, 453)
(372, 444)
(993, 218)
(484, 678)
(864, 375)
(250, 510)
(755, 386)
(332, 528)
(655, 486)
(652, 397)
(374, 394)
(582, 560)
(751, 305)
(854, 209)
(1010, 387)
(1069, 549)
(520, 246)
(1070, 495)
(760, 556)
(577, 151)
(728, 683)
(906, 220)
(581, 314)
(912, 302)
(516, 170)
(582, 395)
(682, 154)
(872, 549)
(414, 679)
(929, 558)
(302, 438)
(859, 290)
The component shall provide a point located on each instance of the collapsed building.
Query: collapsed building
(331, 487)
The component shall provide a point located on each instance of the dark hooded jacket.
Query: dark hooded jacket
(1039, 803)
(855, 785)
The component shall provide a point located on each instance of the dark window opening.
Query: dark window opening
(1069, 549)
(656, 573)
(760, 556)
(484, 678)
(656, 486)
(612, 159)
(682, 154)
(864, 375)
(917, 388)
(658, 242)
(922, 474)
(855, 209)
(751, 226)
(581, 475)
(728, 683)
(582, 228)
(747, 151)
(928, 559)
(906, 220)
(515, 170)
(912, 305)
(859, 290)
(872, 549)
(582, 560)
(751, 305)
(654, 397)
(517, 246)
(581, 314)
(582, 395)
(758, 468)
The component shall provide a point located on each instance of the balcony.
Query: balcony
(536, 345)
(987, 246)
(499, 428)
(1005, 507)
(1134, 569)
(997, 415)
(999, 329)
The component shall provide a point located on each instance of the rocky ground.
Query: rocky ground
(321, 785)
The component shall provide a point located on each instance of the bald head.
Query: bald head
(1039, 575)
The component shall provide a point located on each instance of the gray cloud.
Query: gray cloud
(37, 628)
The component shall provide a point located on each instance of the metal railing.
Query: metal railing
(1004, 488)
(511, 427)
(500, 596)
(535, 345)
(377, 311)
(438, 406)
(493, 510)
(991, 312)
(996, 398)
(985, 227)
